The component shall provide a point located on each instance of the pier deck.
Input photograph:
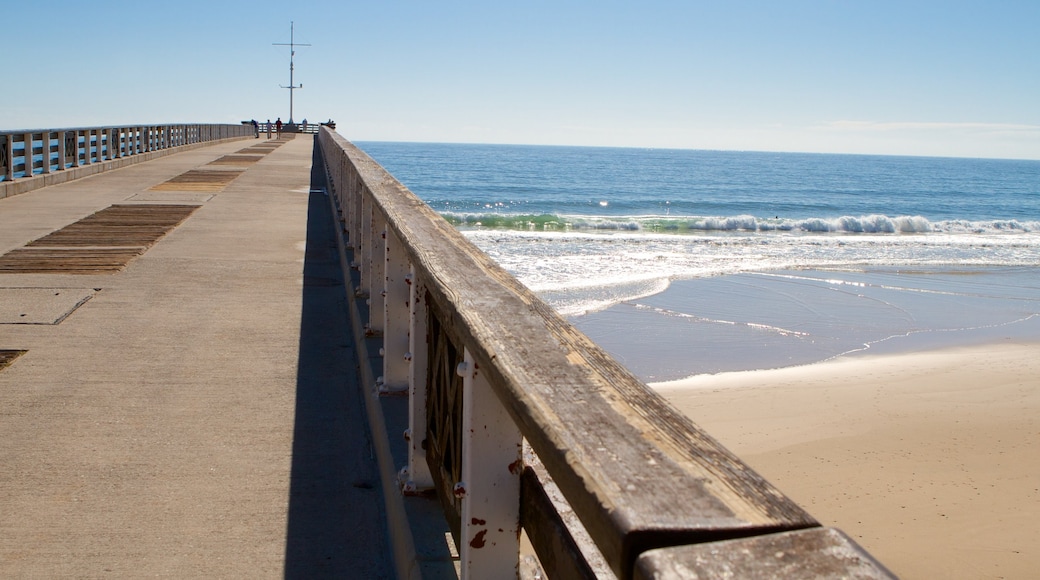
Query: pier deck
(186, 403)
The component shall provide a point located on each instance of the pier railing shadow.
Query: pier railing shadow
(336, 526)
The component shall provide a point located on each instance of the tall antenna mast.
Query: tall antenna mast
(292, 53)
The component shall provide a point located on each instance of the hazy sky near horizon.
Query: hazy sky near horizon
(944, 78)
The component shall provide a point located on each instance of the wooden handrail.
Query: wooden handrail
(636, 471)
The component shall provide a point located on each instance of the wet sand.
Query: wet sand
(930, 460)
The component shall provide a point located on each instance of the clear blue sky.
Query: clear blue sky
(958, 78)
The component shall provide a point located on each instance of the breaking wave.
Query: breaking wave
(867, 224)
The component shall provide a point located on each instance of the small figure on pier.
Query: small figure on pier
(256, 129)
(278, 125)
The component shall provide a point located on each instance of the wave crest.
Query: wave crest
(867, 224)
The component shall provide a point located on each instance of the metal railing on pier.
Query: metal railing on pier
(33, 153)
(489, 368)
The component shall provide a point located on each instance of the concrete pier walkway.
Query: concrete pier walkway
(196, 412)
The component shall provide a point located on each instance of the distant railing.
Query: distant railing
(269, 128)
(30, 153)
(487, 365)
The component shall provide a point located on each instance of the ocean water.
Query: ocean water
(908, 246)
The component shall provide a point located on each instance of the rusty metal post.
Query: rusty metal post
(377, 266)
(363, 242)
(417, 476)
(395, 314)
(490, 486)
(357, 191)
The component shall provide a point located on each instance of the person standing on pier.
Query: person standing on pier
(256, 129)
(278, 125)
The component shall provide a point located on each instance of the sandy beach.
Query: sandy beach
(930, 460)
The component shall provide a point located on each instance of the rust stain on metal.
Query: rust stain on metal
(516, 467)
(478, 540)
(477, 522)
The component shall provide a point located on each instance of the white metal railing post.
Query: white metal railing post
(88, 134)
(417, 477)
(396, 314)
(350, 204)
(356, 189)
(490, 486)
(377, 272)
(363, 247)
(27, 153)
(45, 149)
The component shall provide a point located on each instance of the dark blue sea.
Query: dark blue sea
(592, 229)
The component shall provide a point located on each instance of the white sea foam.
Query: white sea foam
(607, 268)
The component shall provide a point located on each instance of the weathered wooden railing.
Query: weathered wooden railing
(486, 364)
(34, 153)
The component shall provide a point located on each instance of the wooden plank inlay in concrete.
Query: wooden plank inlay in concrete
(200, 180)
(7, 357)
(236, 160)
(256, 150)
(67, 260)
(119, 225)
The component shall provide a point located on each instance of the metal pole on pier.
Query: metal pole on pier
(292, 53)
